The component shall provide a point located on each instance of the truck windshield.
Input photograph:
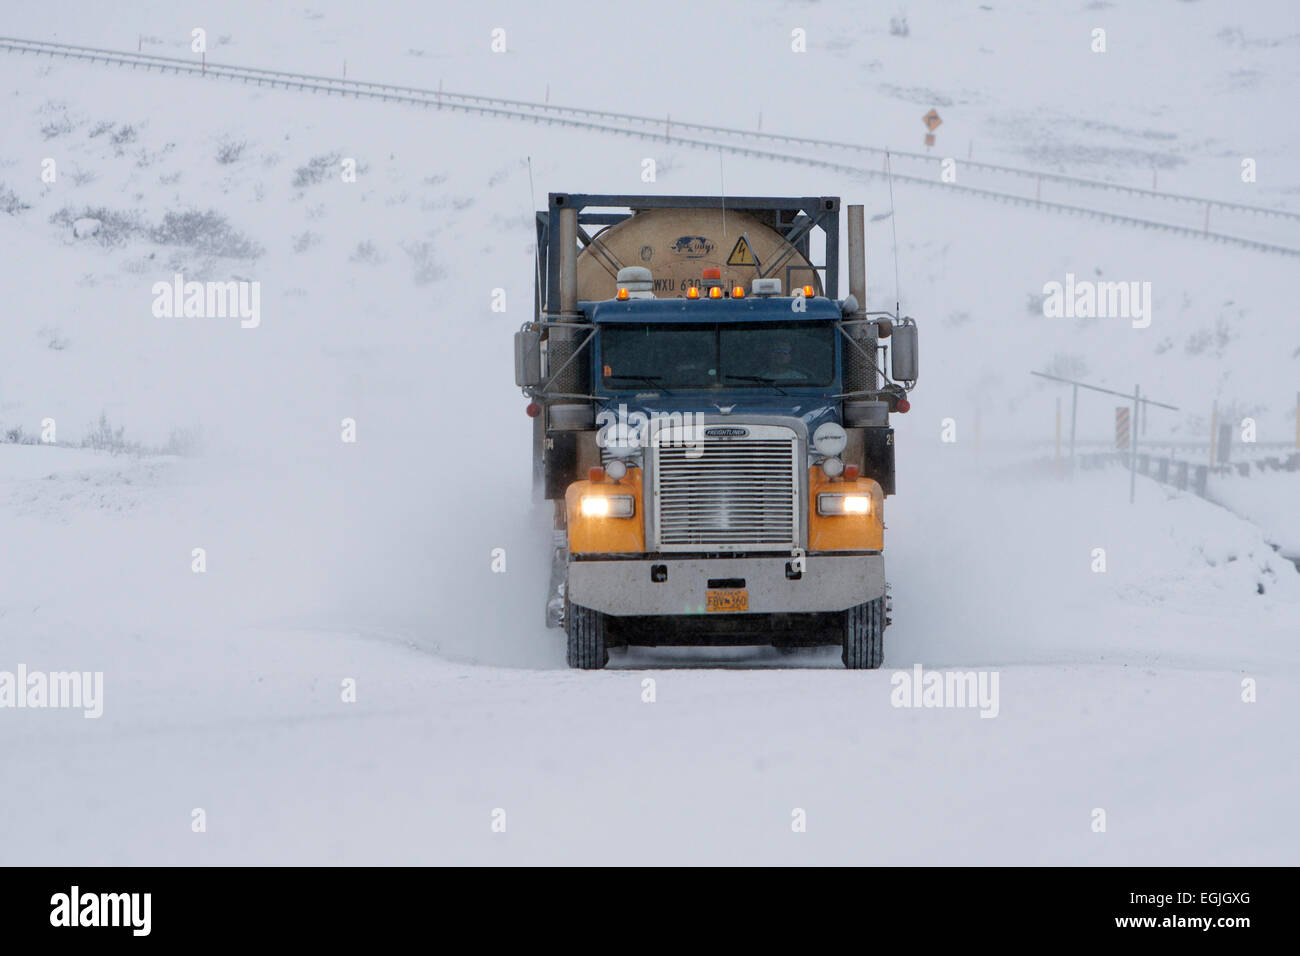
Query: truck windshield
(734, 355)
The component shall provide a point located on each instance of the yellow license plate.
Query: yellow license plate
(726, 599)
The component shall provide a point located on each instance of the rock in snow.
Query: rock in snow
(84, 228)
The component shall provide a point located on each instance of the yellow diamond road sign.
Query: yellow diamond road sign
(931, 120)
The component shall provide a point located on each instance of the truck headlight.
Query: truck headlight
(606, 506)
(844, 504)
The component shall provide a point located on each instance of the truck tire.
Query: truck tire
(864, 635)
(586, 638)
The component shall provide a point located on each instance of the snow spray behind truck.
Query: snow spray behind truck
(711, 422)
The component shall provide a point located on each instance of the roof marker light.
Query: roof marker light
(622, 295)
(693, 292)
(808, 291)
(715, 292)
(738, 292)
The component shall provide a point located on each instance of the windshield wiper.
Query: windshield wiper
(760, 379)
(651, 380)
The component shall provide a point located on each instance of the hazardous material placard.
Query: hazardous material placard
(742, 255)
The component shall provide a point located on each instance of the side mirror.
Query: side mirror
(528, 357)
(902, 352)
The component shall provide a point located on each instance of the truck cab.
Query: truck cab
(717, 447)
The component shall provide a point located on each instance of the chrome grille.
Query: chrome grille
(728, 494)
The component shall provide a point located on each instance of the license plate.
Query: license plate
(726, 599)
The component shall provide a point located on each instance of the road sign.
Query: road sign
(931, 120)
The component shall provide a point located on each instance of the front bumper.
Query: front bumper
(831, 581)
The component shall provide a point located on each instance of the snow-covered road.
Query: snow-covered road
(223, 692)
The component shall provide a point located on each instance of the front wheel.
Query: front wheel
(864, 635)
(585, 629)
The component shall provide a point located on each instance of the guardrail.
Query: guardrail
(1185, 475)
(644, 127)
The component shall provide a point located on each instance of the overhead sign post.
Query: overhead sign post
(1125, 436)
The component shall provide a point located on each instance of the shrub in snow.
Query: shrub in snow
(208, 232)
(85, 228)
(57, 127)
(53, 338)
(10, 203)
(317, 168)
(124, 136)
(366, 252)
(421, 253)
(101, 436)
(229, 152)
(898, 27)
(185, 442)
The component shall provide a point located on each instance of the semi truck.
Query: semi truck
(711, 423)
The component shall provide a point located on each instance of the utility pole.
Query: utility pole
(1074, 413)
(1214, 431)
(1133, 461)
(1058, 431)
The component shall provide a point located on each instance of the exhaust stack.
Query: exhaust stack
(567, 413)
(568, 263)
(860, 357)
(858, 259)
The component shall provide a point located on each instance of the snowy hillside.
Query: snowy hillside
(329, 562)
